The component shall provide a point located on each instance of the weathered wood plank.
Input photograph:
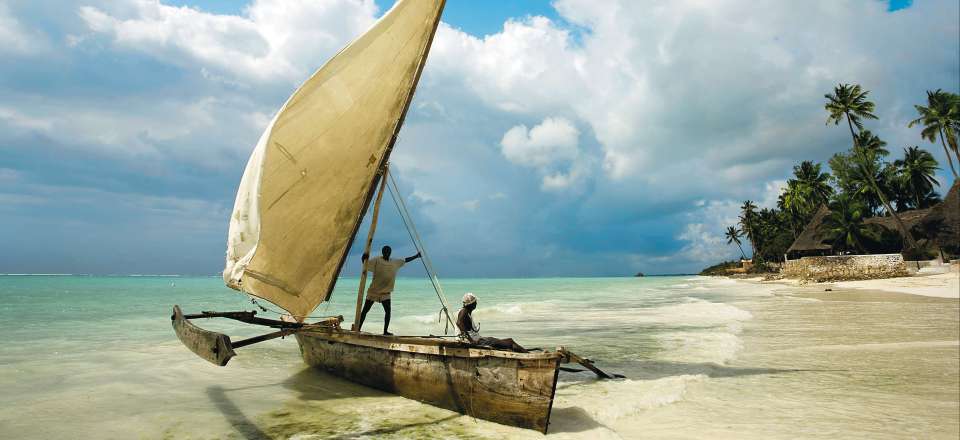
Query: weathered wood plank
(424, 345)
(515, 389)
(247, 317)
(571, 357)
(212, 346)
(266, 337)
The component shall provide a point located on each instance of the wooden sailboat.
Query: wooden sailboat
(304, 193)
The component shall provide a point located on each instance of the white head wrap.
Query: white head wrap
(469, 298)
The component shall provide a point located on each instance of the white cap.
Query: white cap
(469, 298)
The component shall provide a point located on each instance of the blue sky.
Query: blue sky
(546, 138)
(476, 17)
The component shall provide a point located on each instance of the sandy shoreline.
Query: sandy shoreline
(943, 285)
(946, 285)
(837, 362)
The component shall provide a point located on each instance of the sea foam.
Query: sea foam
(610, 401)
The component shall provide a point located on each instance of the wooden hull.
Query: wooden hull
(514, 389)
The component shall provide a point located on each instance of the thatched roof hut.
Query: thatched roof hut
(910, 219)
(941, 224)
(811, 239)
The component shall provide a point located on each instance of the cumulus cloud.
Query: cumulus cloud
(16, 38)
(552, 147)
(501, 68)
(283, 39)
(703, 245)
(16, 119)
(771, 193)
(703, 235)
(647, 125)
(552, 141)
(726, 89)
(425, 198)
(165, 129)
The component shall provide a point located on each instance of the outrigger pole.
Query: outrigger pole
(217, 348)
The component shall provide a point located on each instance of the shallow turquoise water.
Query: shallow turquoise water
(95, 357)
(70, 314)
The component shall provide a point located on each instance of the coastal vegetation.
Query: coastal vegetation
(862, 182)
(723, 268)
(733, 236)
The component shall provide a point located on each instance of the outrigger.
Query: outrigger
(515, 389)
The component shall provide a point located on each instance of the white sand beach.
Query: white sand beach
(945, 285)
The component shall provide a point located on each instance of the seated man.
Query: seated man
(470, 330)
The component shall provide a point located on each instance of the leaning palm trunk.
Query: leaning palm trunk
(911, 243)
(947, 152)
(753, 244)
(952, 142)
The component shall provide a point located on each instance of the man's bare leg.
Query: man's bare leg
(386, 317)
(515, 346)
(363, 314)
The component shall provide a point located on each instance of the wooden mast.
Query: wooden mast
(366, 248)
(393, 140)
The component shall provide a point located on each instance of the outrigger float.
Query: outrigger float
(303, 195)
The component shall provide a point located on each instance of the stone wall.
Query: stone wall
(845, 268)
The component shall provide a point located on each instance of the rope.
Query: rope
(253, 301)
(418, 244)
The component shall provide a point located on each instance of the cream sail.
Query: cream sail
(311, 176)
(301, 200)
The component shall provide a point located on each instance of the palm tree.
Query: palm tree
(765, 227)
(892, 181)
(851, 102)
(844, 173)
(844, 226)
(872, 143)
(916, 172)
(814, 182)
(796, 202)
(733, 236)
(851, 180)
(748, 215)
(940, 119)
(870, 164)
(954, 100)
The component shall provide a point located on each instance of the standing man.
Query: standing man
(384, 274)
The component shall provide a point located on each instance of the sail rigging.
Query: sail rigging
(418, 244)
(313, 173)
